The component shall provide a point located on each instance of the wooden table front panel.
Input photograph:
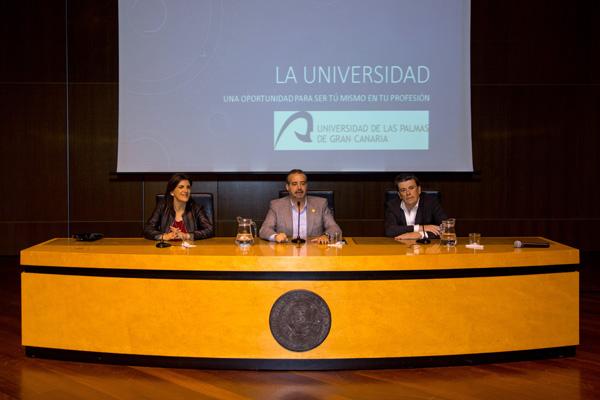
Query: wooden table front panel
(230, 319)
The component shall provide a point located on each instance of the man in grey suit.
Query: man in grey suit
(281, 222)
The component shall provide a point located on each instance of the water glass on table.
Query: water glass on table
(334, 237)
(475, 238)
(187, 239)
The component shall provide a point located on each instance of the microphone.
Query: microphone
(162, 244)
(298, 239)
(424, 239)
(519, 244)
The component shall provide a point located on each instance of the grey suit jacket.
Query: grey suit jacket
(319, 219)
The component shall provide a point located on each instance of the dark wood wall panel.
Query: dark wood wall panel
(33, 41)
(32, 164)
(535, 100)
(93, 41)
(32, 119)
(99, 203)
(535, 42)
(248, 199)
(93, 143)
(34, 152)
(110, 228)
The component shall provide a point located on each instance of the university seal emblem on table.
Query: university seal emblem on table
(300, 320)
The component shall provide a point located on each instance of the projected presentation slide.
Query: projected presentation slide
(322, 85)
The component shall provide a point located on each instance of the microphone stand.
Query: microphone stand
(162, 244)
(424, 239)
(298, 239)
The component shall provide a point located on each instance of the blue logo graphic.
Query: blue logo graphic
(303, 137)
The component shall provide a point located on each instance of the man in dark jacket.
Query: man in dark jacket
(412, 215)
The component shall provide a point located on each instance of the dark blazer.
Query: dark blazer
(430, 212)
(162, 218)
(319, 219)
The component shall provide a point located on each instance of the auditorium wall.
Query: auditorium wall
(535, 100)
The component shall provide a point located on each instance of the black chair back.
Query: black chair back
(391, 194)
(326, 194)
(203, 199)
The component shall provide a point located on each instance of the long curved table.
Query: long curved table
(372, 303)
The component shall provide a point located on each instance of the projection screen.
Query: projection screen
(266, 86)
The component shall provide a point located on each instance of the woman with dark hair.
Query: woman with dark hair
(177, 216)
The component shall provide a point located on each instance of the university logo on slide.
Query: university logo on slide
(351, 130)
(297, 116)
